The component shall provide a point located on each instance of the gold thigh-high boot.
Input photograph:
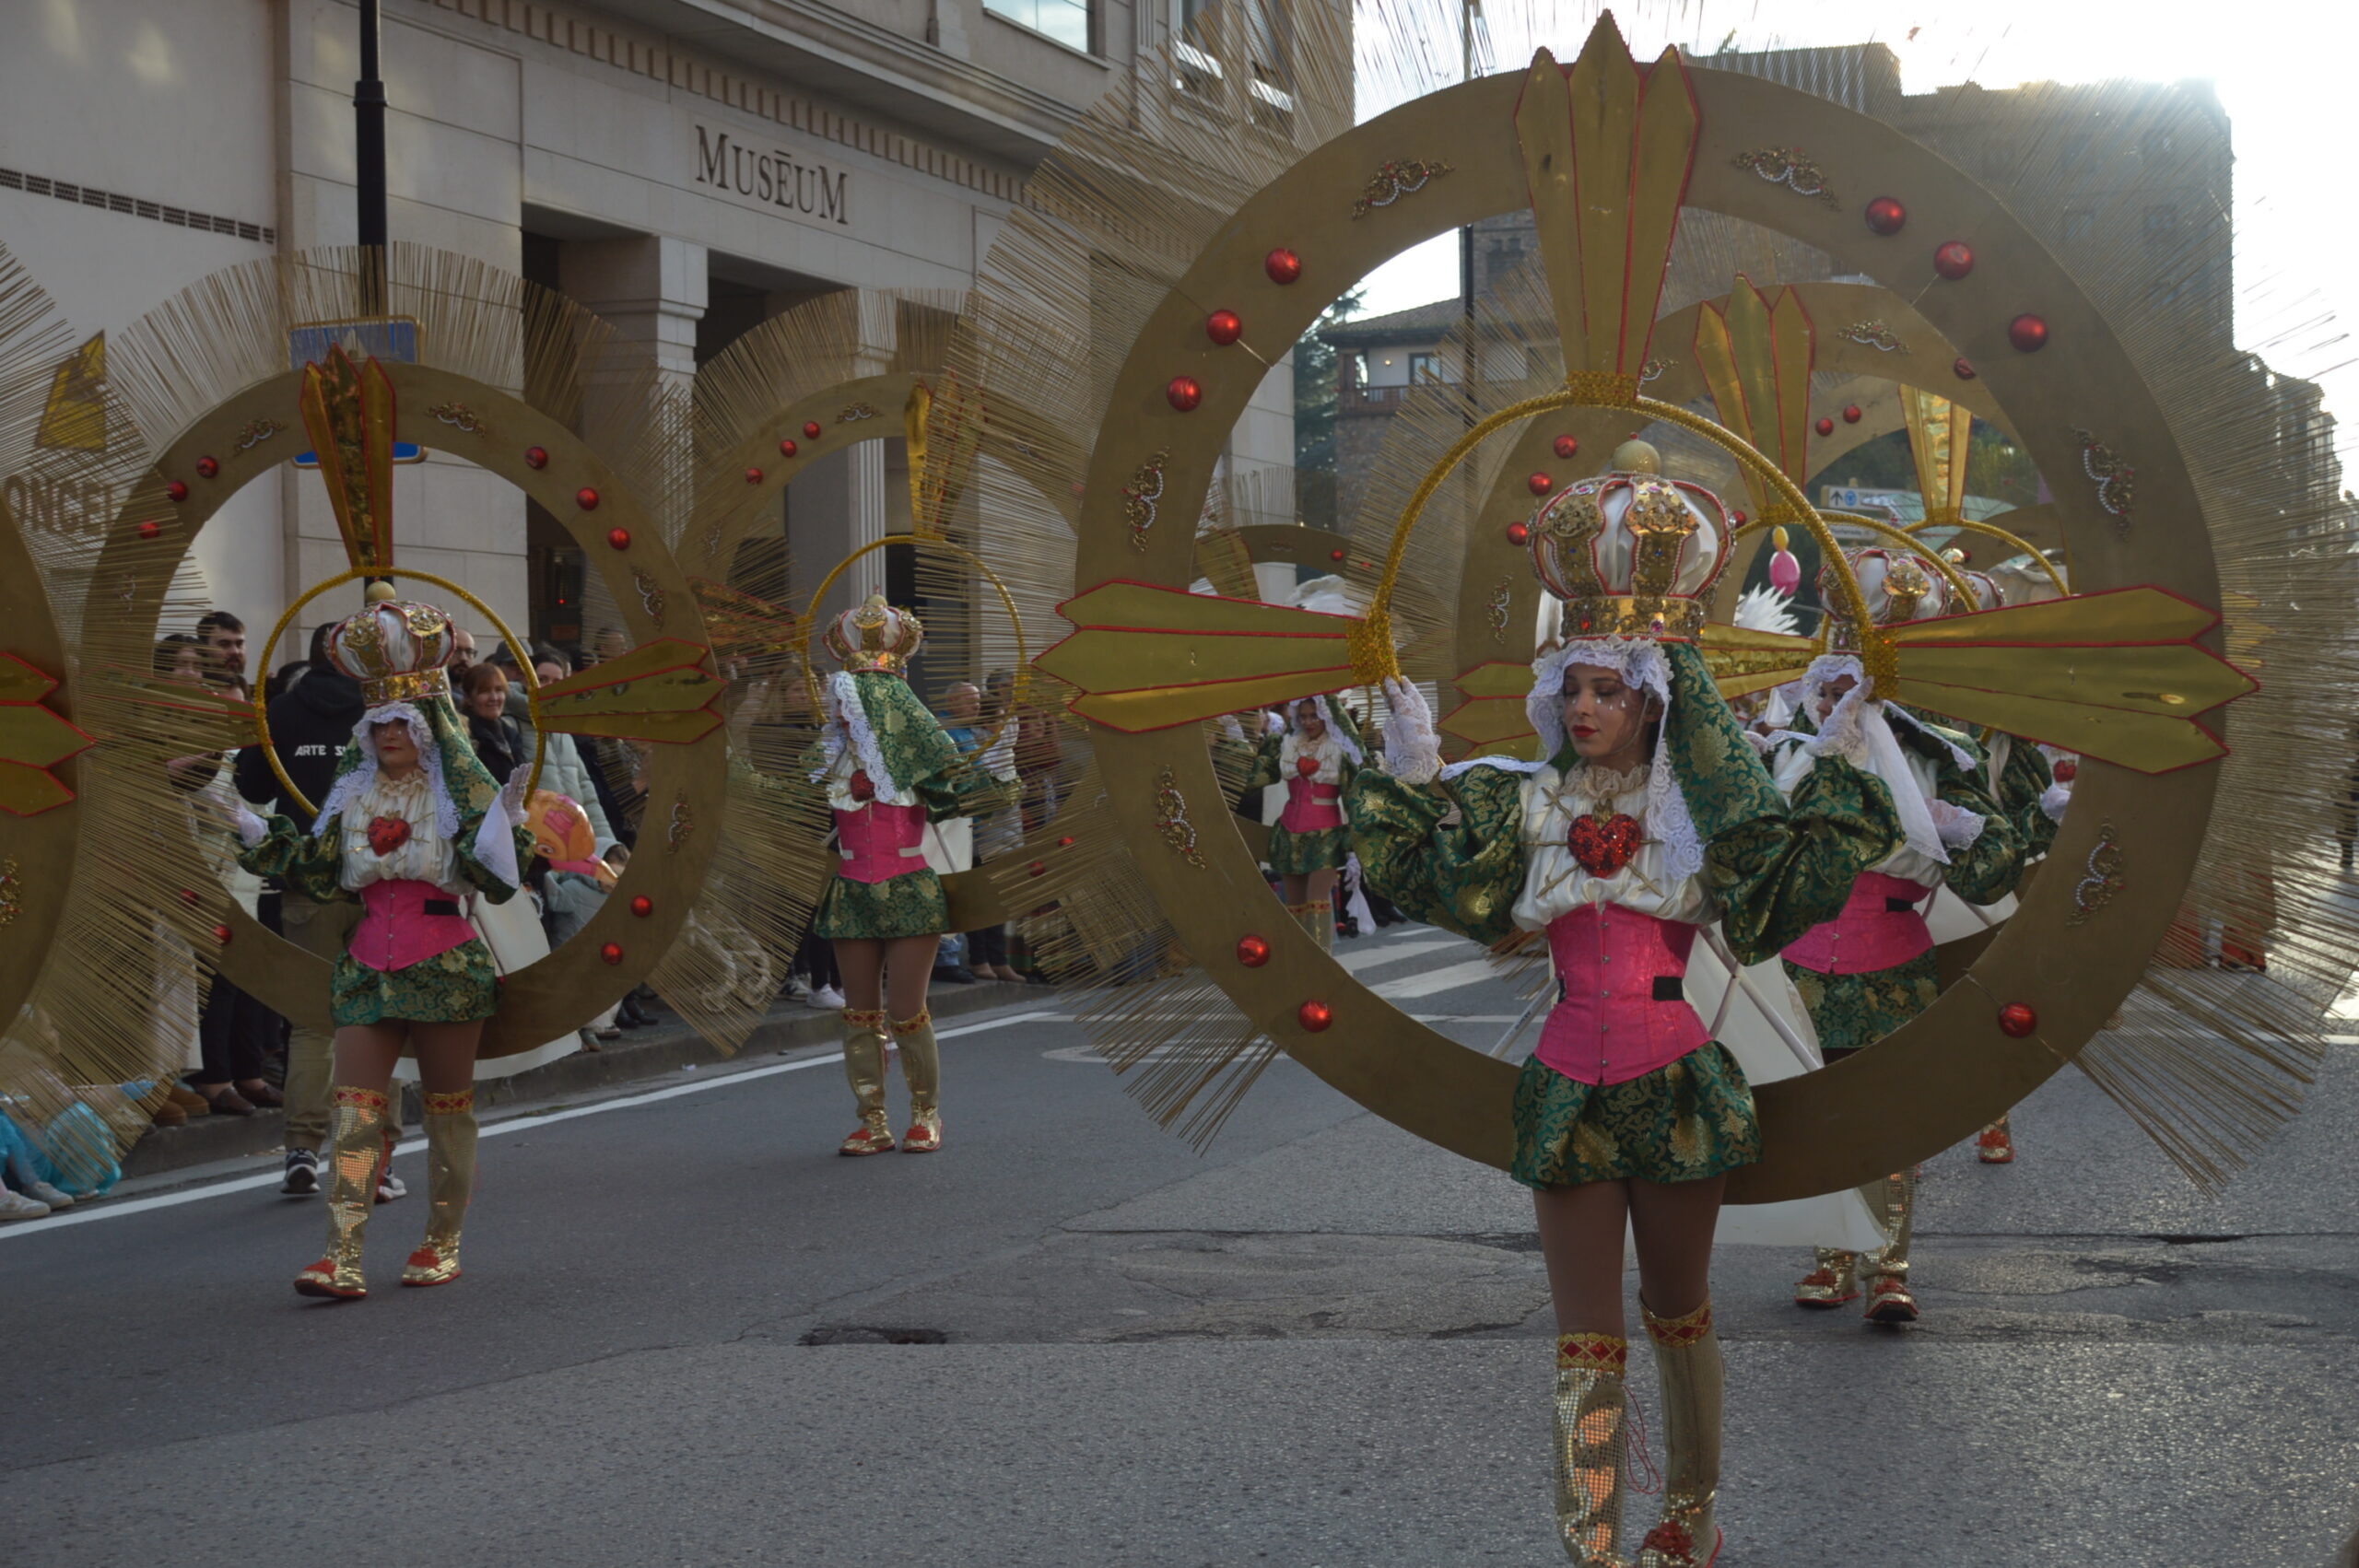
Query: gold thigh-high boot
(864, 1067)
(1318, 917)
(356, 1142)
(1889, 1299)
(1834, 1281)
(922, 1065)
(1592, 1418)
(450, 1183)
(1687, 1355)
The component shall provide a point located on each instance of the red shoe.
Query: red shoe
(429, 1266)
(320, 1280)
(1671, 1545)
(1890, 1302)
(924, 1135)
(1995, 1147)
(867, 1140)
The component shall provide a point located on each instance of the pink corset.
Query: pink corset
(879, 843)
(1880, 927)
(404, 923)
(1311, 808)
(1624, 1010)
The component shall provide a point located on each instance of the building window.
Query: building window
(1067, 21)
(1423, 367)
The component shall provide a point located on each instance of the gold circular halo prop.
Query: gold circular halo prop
(2014, 542)
(1007, 602)
(259, 427)
(360, 574)
(1951, 1071)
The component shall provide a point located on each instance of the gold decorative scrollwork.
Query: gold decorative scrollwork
(651, 594)
(684, 823)
(2103, 880)
(855, 411)
(255, 432)
(1872, 334)
(1495, 611)
(1141, 496)
(1171, 820)
(1399, 178)
(460, 416)
(1791, 168)
(2116, 480)
(11, 892)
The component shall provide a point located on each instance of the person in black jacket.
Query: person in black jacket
(498, 740)
(310, 723)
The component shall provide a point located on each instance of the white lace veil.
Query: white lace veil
(1642, 663)
(357, 769)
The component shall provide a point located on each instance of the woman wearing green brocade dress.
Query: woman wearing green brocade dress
(1651, 818)
(1314, 759)
(890, 770)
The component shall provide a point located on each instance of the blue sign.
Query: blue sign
(389, 338)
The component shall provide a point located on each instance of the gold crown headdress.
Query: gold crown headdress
(874, 637)
(1631, 553)
(399, 651)
(1899, 587)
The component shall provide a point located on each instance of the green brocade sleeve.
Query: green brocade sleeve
(1986, 870)
(310, 864)
(1463, 875)
(965, 791)
(1262, 771)
(2021, 785)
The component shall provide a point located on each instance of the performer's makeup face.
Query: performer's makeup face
(1605, 716)
(396, 753)
(1308, 723)
(1832, 692)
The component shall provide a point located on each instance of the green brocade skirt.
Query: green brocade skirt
(1853, 1011)
(1299, 854)
(456, 986)
(909, 905)
(1689, 1121)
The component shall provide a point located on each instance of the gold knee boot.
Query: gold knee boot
(1834, 1281)
(1592, 1418)
(1889, 1298)
(1687, 1356)
(450, 1183)
(1318, 917)
(922, 1065)
(356, 1142)
(865, 1069)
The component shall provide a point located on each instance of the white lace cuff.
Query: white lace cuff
(1412, 750)
(2054, 800)
(251, 829)
(1958, 827)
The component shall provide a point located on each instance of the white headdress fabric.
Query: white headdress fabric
(1858, 730)
(1337, 735)
(1644, 666)
(849, 724)
(352, 782)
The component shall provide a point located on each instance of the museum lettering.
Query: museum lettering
(774, 177)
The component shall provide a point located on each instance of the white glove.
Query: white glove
(2054, 800)
(999, 760)
(1958, 827)
(511, 794)
(1231, 728)
(251, 829)
(1412, 750)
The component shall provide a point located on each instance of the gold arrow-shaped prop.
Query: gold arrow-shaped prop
(1491, 720)
(33, 740)
(1147, 658)
(659, 691)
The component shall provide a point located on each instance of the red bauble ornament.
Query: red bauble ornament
(811, 429)
(1603, 845)
(1540, 484)
(1825, 426)
(1315, 1016)
(207, 467)
(1954, 260)
(1737, 518)
(586, 498)
(222, 934)
(612, 953)
(177, 489)
(2017, 1019)
(1037, 867)
(643, 905)
(1185, 392)
(387, 834)
(1886, 216)
(1064, 843)
(787, 449)
(1306, 765)
(189, 896)
(1224, 327)
(1335, 555)
(1252, 950)
(536, 457)
(1519, 534)
(2028, 333)
(862, 788)
(753, 476)
(1568, 446)
(618, 538)
(1962, 369)
(2067, 770)
(1283, 266)
(1851, 414)
(149, 529)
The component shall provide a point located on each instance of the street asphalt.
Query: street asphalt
(690, 1334)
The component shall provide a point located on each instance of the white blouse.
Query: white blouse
(1792, 763)
(424, 855)
(838, 782)
(1555, 882)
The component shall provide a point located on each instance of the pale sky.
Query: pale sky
(2287, 71)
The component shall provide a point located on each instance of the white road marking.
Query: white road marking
(1449, 977)
(78, 1215)
(1368, 958)
(1086, 1056)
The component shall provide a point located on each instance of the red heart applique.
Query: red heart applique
(1603, 845)
(1306, 765)
(387, 834)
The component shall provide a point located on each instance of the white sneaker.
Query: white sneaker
(798, 988)
(14, 1205)
(826, 999)
(389, 1186)
(45, 1193)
